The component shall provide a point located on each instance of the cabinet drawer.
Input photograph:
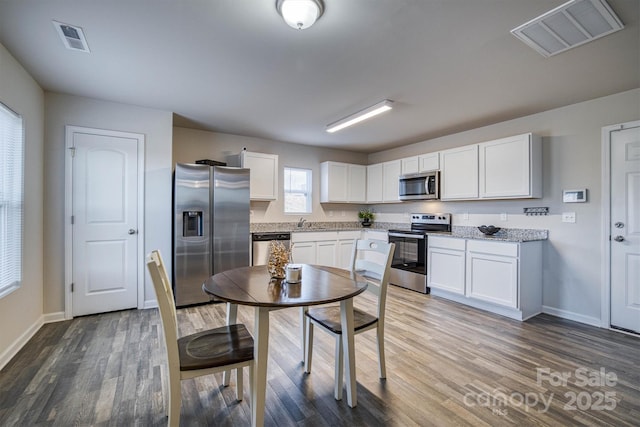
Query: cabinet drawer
(493, 248)
(446, 243)
(349, 235)
(313, 236)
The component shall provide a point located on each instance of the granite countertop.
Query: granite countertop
(517, 235)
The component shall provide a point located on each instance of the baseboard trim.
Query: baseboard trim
(150, 304)
(54, 317)
(20, 342)
(569, 315)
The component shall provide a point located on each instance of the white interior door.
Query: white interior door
(625, 229)
(105, 221)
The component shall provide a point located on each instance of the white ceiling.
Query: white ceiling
(234, 66)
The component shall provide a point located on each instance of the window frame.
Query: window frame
(12, 194)
(308, 194)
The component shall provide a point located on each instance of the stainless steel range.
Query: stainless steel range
(409, 265)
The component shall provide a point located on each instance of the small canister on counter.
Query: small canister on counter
(293, 273)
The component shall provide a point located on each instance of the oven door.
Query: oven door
(409, 266)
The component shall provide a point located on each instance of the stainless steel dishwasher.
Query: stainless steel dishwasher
(260, 245)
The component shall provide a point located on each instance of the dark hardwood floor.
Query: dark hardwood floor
(447, 364)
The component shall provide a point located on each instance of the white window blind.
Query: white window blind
(11, 199)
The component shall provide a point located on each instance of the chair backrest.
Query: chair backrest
(166, 304)
(372, 259)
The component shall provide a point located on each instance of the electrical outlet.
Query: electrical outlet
(568, 217)
(343, 213)
(251, 213)
(503, 216)
(330, 213)
(465, 216)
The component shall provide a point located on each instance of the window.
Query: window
(297, 191)
(11, 199)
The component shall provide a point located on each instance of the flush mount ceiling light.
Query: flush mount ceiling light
(365, 114)
(300, 14)
(569, 25)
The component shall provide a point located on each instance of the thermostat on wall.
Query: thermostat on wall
(574, 196)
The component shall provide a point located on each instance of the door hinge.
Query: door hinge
(73, 151)
(72, 287)
(73, 219)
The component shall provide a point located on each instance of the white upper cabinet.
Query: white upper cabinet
(357, 184)
(342, 183)
(263, 184)
(429, 162)
(459, 173)
(511, 167)
(391, 172)
(374, 183)
(382, 182)
(410, 165)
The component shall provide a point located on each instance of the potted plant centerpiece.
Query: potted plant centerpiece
(366, 217)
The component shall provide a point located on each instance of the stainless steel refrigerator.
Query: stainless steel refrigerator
(211, 226)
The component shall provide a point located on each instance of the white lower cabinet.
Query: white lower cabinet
(492, 272)
(501, 277)
(331, 248)
(446, 263)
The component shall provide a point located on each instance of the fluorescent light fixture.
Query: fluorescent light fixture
(361, 115)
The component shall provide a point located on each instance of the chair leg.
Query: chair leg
(175, 399)
(339, 375)
(239, 383)
(308, 346)
(382, 367)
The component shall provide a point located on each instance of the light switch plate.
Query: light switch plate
(568, 217)
(465, 216)
(503, 216)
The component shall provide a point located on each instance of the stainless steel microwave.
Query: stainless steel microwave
(419, 186)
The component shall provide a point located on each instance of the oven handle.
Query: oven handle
(410, 236)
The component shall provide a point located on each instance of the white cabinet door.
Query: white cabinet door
(357, 192)
(374, 183)
(333, 182)
(410, 165)
(303, 252)
(429, 162)
(509, 167)
(342, 182)
(493, 277)
(390, 172)
(326, 253)
(446, 264)
(345, 247)
(459, 173)
(263, 184)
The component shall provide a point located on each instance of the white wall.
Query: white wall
(21, 311)
(571, 159)
(156, 125)
(190, 145)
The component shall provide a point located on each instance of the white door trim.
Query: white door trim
(605, 311)
(68, 210)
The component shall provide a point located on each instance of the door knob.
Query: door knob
(619, 239)
(132, 231)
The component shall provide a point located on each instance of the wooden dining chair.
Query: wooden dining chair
(203, 353)
(371, 259)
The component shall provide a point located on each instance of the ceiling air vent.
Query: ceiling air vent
(72, 37)
(569, 25)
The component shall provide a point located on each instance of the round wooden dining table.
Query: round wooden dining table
(253, 286)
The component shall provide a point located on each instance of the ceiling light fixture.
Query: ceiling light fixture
(365, 114)
(300, 14)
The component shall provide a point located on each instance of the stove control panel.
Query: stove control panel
(430, 218)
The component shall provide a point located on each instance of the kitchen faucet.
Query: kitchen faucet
(301, 222)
